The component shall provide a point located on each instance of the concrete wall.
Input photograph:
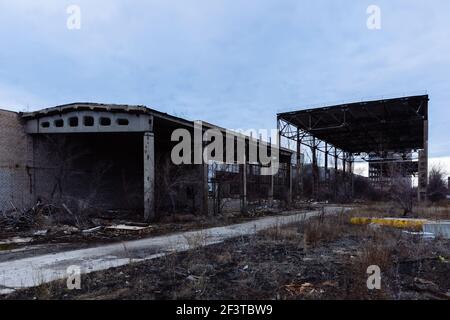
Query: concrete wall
(101, 170)
(15, 159)
(67, 167)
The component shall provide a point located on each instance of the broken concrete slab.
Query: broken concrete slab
(438, 228)
(425, 235)
(127, 228)
(16, 240)
(92, 229)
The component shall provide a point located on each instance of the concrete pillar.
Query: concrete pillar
(149, 176)
(315, 171)
(344, 173)
(326, 164)
(290, 182)
(205, 189)
(299, 166)
(271, 188)
(243, 172)
(423, 166)
(272, 178)
(352, 180)
(335, 173)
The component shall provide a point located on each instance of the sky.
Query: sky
(232, 63)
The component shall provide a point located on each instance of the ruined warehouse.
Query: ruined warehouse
(118, 157)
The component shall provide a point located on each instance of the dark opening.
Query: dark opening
(45, 124)
(122, 122)
(59, 123)
(88, 121)
(73, 122)
(105, 121)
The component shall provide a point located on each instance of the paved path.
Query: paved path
(32, 271)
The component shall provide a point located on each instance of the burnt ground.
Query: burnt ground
(316, 259)
(63, 237)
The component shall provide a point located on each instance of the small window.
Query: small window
(73, 122)
(88, 121)
(105, 121)
(45, 124)
(122, 122)
(59, 123)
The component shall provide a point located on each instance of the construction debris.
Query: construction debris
(17, 220)
(425, 235)
(126, 228)
(16, 240)
(438, 228)
(308, 288)
(299, 289)
(40, 233)
(92, 229)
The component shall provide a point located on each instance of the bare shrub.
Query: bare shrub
(281, 233)
(318, 229)
(376, 253)
(196, 239)
(224, 258)
(434, 212)
(437, 189)
(178, 187)
(402, 192)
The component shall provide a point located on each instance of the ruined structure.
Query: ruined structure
(390, 134)
(118, 157)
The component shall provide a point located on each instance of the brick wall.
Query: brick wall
(15, 177)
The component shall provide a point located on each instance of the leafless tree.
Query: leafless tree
(402, 191)
(436, 184)
(170, 179)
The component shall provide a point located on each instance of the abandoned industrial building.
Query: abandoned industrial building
(391, 135)
(117, 157)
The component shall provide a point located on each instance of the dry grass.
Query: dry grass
(224, 258)
(281, 233)
(324, 229)
(196, 239)
(324, 257)
(439, 213)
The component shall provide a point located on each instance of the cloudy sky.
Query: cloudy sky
(233, 63)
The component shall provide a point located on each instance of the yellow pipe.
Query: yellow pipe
(391, 222)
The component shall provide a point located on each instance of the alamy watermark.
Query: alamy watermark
(73, 21)
(374, 279)
(231, 148)
(374, 20)
(73, 277)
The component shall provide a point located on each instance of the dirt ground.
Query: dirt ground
(322, 258)
(69, 236)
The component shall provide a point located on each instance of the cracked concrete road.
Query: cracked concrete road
(36, 270)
